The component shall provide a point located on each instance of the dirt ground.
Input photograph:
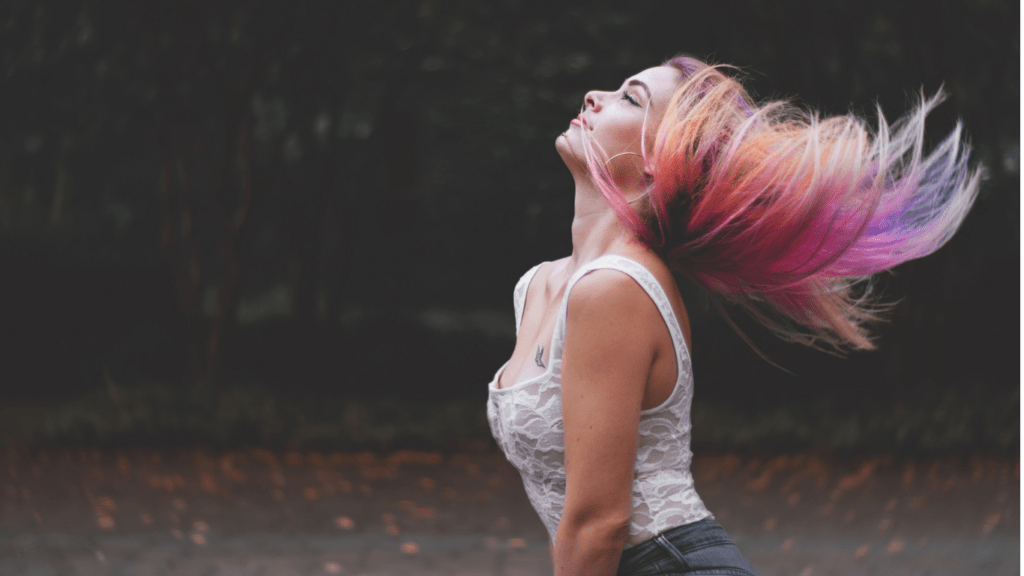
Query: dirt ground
(417, 513)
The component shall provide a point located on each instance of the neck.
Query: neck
(596, 228)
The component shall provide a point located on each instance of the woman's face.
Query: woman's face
(614, 122)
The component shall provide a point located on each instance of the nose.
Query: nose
(593, 100)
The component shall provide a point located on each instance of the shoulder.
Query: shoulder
(620, 282)
(606, 285)
(541, 271)
(527, 278)
(611, 296)
(530, 273)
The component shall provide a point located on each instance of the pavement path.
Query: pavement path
(263, 513)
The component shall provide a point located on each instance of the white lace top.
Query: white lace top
(526, 421)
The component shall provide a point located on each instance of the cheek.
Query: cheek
(621, 137)
(621, 143)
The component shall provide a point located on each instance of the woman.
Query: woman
(765, 206)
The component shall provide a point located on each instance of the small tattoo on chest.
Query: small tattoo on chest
(540, 352)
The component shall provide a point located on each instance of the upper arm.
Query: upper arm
(608, 352)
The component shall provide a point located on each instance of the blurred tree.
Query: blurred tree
(204, 80)
(397, 156)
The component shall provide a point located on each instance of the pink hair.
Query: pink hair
(785, 213)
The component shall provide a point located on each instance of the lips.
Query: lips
(579, 120)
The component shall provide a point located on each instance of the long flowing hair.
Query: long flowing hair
(787, 214)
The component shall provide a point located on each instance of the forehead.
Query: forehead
(662, 81)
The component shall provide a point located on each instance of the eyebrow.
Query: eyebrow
(635, 82)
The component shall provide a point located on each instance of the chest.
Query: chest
(526, 421)
(541, 304)
(532, 354)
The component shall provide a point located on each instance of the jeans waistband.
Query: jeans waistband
(688, 537)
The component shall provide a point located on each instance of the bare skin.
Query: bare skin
(543, 299)
(618, 357)
(596, 231)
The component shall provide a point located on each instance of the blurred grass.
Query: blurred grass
(950, 423)
(156, 415)
(159, 416)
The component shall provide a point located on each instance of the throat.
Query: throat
(596, 234)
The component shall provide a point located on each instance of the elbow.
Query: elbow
(589, 544)
(597, 529)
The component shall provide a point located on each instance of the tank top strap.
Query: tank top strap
(647, 281)
(519, 295)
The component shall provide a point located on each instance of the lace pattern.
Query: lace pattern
(526, 421)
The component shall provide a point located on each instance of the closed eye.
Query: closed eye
(633, 101)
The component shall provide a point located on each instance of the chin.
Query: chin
(568, 151)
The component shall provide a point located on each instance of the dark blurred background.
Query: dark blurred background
(299, 224)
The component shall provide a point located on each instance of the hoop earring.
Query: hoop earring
(625, 154)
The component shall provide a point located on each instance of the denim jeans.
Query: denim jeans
(702, 547)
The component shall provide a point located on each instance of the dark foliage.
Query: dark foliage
(334, 200)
